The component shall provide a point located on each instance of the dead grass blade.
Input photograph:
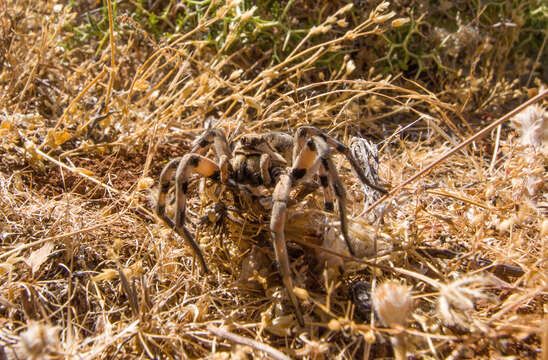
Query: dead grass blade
(270, 351)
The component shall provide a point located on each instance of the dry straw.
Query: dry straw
(86, 266)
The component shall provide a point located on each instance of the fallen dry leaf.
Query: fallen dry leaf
(38, 257)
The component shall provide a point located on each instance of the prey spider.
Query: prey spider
(274, 160)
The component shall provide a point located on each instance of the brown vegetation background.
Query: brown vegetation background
(97, 96)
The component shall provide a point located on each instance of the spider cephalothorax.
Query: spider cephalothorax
(274, 160)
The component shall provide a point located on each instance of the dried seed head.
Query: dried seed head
(350, 67)
(400, 22)
(344, 9)
(334, 325)
(281, 325)
(393, 304)
(301, 293)
(342, 23)
(478, 219)
(490, 191)
(248, 14)
(369, 336)
(382, 18)
(532, 125)
(322, 29)
(382, 6)
(534, 184)
(233, 3)
(331, 19)
(457, 299)
(507, 224)
(235, 74)
(38, 341)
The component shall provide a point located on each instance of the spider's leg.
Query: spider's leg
(165, 179)
(265, 163)
(281, 143)
(317, 148)
(217, 139)
(327, 190)
(189, 165)
(305, 132)
(305, 161)
(277, 228)
(329, 178)
(299, 139)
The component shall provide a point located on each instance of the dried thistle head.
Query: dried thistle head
(457, 300)
(532, 124)
(393, 303)
(39, 341)
(461, 42)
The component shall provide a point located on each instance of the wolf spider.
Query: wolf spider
(274, 160)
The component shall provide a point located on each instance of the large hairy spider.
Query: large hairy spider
(274, 160)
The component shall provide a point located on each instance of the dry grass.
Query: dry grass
(88, 272)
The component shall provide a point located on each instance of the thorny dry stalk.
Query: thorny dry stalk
(80, 250)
